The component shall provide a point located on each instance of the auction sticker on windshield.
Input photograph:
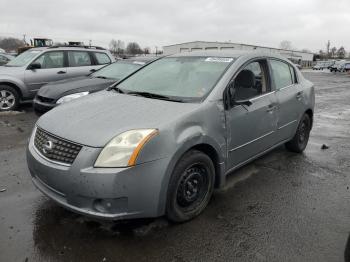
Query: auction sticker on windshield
(219, 59)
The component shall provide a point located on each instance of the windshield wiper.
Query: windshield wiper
(155, 96)
(116, 89)
(103, 77)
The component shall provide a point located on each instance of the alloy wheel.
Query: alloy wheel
(7, 100)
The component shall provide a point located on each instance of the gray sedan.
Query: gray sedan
(159, 142)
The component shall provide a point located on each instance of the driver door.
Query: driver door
(52, 68)
(251, 117)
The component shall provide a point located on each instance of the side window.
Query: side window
(51, 60)
(79, 58)
(102, 58)
(281, 74)
(251, 81)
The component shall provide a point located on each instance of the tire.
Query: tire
(301, 137)
(9, 98)
(191, 186)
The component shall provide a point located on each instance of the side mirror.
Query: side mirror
(34, 66)
(232, 97)
(243, 102)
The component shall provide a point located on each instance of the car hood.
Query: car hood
(55, 90)
(95, 119)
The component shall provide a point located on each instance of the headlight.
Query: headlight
(123, 149)
(67, 98)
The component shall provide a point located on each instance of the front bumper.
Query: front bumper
(42, 107)
(105, 193)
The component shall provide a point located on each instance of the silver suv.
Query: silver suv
(23, 76)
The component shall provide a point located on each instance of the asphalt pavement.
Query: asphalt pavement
(281, 207)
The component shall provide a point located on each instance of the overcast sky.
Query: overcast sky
(306, 23)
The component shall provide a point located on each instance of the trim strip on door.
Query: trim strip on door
(252, 141)
(285, 125)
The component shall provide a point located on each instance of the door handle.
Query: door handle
(93, 70)
(61, 72)
(299, 95)
(271, 108)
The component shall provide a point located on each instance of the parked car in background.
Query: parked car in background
(338, 66)
(24, 75)
(60, 92)
(159, 141)
(5, 58)
(318, 66)
(347, 67)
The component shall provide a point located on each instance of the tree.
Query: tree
(147, 50)
(285, 44)
(133, 48)
(11, 44)
(333, 51)
(306, 50)
(341, 52)
(322, 54)
(116, 46)
(113, 46)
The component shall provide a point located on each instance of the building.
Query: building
(303, 58)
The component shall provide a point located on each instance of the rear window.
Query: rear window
(281, 74)
(102, 58)
(79, 58)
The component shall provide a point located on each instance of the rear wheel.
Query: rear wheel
(301, 137)
(191, 186)
(9, 98)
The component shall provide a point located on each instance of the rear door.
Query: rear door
(80, 63)
(52, 69)
(289, 97)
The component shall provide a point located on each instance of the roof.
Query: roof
(67, 47)
(211, 42)
(225, 53)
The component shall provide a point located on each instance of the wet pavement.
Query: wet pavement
(281, 207)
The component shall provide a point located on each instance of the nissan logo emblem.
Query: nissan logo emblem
(47, 147)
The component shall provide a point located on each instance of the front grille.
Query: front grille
(45, 99)
(55, 148)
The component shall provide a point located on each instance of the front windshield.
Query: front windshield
(188, 78)
(117, 70)
(24, 58)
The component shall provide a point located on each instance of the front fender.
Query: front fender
(189, 138)
(7, 79)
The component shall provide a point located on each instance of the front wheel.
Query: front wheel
(301, 137)
(191, 186)
(9, 98)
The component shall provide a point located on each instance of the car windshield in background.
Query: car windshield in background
(23, 58)
(185, 78)
(117, 70)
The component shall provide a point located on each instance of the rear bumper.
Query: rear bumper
(42, 107)
(103, 193)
